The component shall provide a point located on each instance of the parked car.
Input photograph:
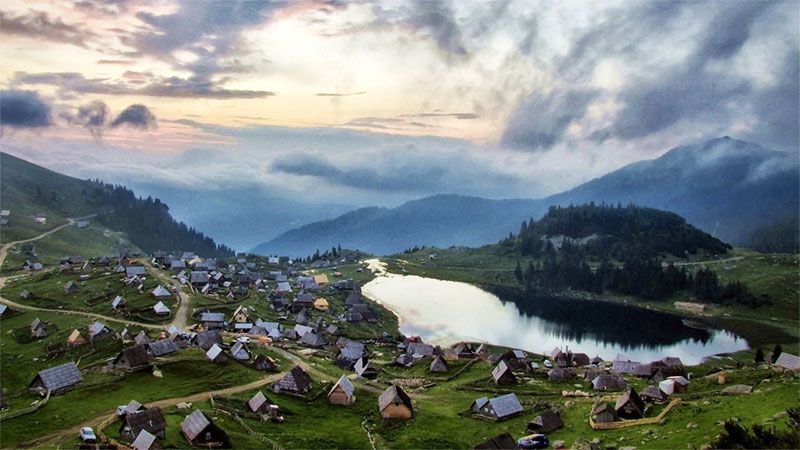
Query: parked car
(534, 441)
(243, 339)
(87, 435)
(548, 364)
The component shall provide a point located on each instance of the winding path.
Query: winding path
(180, 317)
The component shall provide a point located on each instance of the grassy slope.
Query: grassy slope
(70, 241)
(94, 295)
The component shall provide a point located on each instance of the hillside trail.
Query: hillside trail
(70, 433)
(180, 319)
(70, 221)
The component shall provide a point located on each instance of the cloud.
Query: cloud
(208, 31)
(672, 71)
(23, 109)
(91, 116)
(146, 84)
(339, 94)
(436, 19)
(136, 116)
(460, 116)
(541, 120)
(116, 62)
(39, 25)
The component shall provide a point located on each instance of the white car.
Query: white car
(243, 339)
(87, 435)
(548, 364)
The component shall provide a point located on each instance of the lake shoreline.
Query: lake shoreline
(421, 305)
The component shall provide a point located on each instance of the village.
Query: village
(307, 329)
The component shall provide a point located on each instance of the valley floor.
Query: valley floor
(440, 401)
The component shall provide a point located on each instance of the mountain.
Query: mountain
(724, 186)
(28, 189)
(440, 220)
(241, 217)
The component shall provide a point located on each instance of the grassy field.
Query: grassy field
(93, 295)
(69, 241)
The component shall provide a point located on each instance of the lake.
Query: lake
(445, 312)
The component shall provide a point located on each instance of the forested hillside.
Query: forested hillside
(28, 189)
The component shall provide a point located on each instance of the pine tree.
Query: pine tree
(759, 356)
(518, 273)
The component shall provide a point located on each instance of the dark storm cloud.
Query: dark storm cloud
(148, 85)
(23, 109)
(541, 119)
(39, 25)
(91, 116)
(705, 89)
(136, 116)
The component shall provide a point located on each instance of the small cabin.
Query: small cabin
(630, 405)
(394, 403)
(438, 364)
(502, 374)
(546, 422)
(200, 431)
(342, 393)
(295, 382)
(132, 358)
(261, 404)
(604, 413)
(57, 380)
(498, 408)
(151, 420)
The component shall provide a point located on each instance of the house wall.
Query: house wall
(393, 411)
(338, 397)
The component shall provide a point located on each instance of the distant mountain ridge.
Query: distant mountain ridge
(725, 187)
(28, 189)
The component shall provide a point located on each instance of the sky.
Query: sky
(378, 102)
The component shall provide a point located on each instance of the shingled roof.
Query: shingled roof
(393, 394)
(60, 377)
(151, 420)
(194, 424)
(144, 441)
(163, 347)
(505, 405)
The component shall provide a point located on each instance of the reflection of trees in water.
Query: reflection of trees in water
(606, 323)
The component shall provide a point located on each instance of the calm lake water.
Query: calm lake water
(446, 312)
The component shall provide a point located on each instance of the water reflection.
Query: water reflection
(446, 312)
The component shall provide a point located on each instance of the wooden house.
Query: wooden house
(98, 330)
(561, 375)
(264, 363)
(162, 347)
(295, 382)
(160, 309)
(200, 431)
(546, 422)
(604, 413)
(464, 351)
(75, 339)
(313, 339)
(70, 287)
(498, 408)
(342, 393)
(653, 394)
(206, 339)
(142, 338)
(118, 304)
(609, 382)
(57, 380)
(261, 404)
(144, 441)
(212, 320)
(38, 328)
(502, 374)
(216, 355)
(502, 441)
(630, 405)
(365, 369)
(132, 358)
(151, 420)
(239, 352)
(321, 304)
(394, 403)
(161, 292)
(240, 315)
(438, 364)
